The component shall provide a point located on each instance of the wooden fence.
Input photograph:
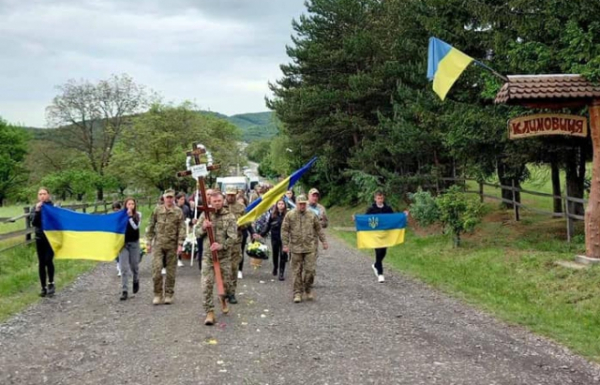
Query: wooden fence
(101, 207)
(570, 218)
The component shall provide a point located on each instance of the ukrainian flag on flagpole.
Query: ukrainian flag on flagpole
(75, 235)
(379, 230)
(445, 64)
(262, 204)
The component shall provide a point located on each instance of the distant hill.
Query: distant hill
(254, 125)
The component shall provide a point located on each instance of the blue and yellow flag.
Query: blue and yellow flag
(444, 65)
(84, 236)
(262, 204)
(379, 230)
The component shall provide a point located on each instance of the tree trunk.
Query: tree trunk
(592, 213)
(100, 193)
(556, 184)
(575, 170)
(79, 197)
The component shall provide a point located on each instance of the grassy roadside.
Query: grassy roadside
(508, 270)
(19, 282)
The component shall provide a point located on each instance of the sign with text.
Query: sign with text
(547, 124)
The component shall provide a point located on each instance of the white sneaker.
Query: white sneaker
(381, 279)
(240, 275)
(179, 263)
(163, 271)
(374, 270)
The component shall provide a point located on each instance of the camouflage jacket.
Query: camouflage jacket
(224, 229)
(166, 227)
(301, 232)
(322, 214)
(237, 209)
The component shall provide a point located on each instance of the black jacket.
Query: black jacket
(376, 210)
(36, 221)
(274, 226)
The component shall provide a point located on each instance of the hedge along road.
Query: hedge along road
(356, 332)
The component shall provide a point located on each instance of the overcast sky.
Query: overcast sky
(218, 53)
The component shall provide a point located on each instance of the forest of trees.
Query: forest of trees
(112, 136)
(355, 92)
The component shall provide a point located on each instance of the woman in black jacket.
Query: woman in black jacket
(44, 250)
(274, 226)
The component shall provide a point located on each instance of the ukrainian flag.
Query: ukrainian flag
(444, 65)
(262, 204)
(379, 230)
(75, 235)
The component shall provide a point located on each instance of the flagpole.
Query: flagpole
(497, 74)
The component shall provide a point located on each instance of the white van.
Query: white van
(239, 182)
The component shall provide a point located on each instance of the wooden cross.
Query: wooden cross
(199, 171)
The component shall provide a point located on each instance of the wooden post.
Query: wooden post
(84, 208)
(569, 219)
(592, 211)
(514, 200)
(27, 210)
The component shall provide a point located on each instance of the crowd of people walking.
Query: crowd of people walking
(294, 225)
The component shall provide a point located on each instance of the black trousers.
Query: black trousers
(379, 256)
(279, 257)
(244, 240)
(200, 247)
(45, 260)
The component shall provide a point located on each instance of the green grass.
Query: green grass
(507, 269)
(19, 282)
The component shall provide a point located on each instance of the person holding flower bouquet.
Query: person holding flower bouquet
(274, 227)
(129, 257)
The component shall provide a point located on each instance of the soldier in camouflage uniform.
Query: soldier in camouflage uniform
(165, 235)
(237, 209)
(300, 231)
(225, 231)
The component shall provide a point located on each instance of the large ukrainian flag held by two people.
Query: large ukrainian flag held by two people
(262, 204)
(75, 235)
(374, 231)
(445, 64)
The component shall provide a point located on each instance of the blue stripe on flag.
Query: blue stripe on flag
(57, 219)
(380, 222)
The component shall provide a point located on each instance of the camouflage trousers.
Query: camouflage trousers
(208, 277)
(161, 254)
(304, 268)
(236, 258)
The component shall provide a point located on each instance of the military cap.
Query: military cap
(230, 190)
(313, 191)
(301, 199)
(169, 193)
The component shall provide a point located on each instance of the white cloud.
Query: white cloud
(219, 53)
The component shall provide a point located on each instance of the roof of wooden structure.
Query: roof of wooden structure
(548, 91)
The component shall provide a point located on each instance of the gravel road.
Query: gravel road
(356, 332)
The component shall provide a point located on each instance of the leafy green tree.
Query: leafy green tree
(153, 150)
(92, 117)
(13, 148)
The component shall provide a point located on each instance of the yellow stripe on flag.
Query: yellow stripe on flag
(378, 239)
(267, 200)
(449, 70)
(93, 245)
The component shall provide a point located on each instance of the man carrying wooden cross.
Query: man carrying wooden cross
(224, 227)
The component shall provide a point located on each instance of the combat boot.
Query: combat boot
(210, 318)
(310, 295)
(232, 299)
(297, 298)
(168, 299)
(157, 300)
(224, 306)
(123, 296)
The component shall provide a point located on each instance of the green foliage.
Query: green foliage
(258, 151)
(424, 208)
(153, 150)
(13, 148)
(459, 213)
